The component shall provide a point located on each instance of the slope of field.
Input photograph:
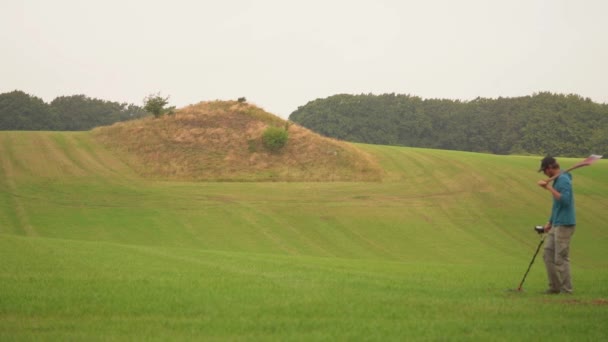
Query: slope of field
(222, 140)
(90, 250)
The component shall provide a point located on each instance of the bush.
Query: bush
(155, 105)
(274, 138)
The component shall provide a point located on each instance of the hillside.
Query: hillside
(67, 185)
(91, 250)
(222, 140)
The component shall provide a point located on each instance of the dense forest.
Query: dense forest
(21, 111)
(544, 123)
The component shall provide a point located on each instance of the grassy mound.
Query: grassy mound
(222, 140)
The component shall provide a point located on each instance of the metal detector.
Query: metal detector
(540, 230)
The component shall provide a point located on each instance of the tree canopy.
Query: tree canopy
(20, 111)
(544, 123)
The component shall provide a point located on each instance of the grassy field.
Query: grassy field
(92, 251)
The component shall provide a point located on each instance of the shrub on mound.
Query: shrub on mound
(275, 138)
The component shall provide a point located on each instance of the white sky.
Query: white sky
(282, 54)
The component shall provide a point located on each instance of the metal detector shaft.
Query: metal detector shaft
(531, 262)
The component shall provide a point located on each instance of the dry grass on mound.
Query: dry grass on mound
(223, 141)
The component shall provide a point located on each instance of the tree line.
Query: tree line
(544, 123)
(21, 111)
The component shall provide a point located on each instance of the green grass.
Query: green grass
(90, 251)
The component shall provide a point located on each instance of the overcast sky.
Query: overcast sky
(282, 54)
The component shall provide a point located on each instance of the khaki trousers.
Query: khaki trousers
(557, 258)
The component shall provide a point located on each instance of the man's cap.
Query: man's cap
(546, 162)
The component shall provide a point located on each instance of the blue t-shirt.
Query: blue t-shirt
(562, 212)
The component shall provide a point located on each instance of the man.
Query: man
(560, 227)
